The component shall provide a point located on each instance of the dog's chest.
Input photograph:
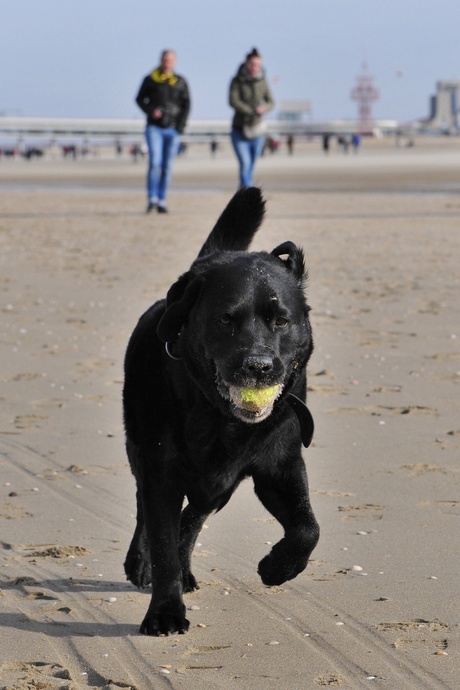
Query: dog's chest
(213, 471)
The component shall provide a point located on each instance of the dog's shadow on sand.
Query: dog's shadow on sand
(20, 621)
(70, 214)
(53, 592)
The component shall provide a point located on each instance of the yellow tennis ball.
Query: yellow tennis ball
(259, 396)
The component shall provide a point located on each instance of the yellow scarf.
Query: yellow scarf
(160, 77)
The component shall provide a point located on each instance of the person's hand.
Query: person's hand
(260, 109)
(157, 113)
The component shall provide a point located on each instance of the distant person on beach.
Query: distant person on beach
(356, 142)
(214, 145)
(164, 98)
(343, 143)
(251, 99)
(326, 139)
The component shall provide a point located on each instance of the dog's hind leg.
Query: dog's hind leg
(137, 564)
(138, 568)
(285, 495)
(191, 522)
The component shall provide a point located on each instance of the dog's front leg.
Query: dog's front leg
(284, 493)
(191, 522)
(161, 508)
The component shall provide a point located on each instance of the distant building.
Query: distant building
(444, 108)
(294, 111)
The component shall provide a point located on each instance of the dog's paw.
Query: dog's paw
(189, 583)
(270, 572)
(277, 568)
(138, 569)
(158, 623)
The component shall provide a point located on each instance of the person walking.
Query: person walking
(251, 99)
(164, 98)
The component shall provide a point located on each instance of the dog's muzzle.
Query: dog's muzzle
(250, 403)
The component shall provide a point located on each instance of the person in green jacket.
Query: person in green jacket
(251, 98)
(164, 97)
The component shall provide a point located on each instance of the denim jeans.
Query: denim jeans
(247, 151)
(162, 146)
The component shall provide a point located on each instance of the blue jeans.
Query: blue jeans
(247, 151)
(162, 146)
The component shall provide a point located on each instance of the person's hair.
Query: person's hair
(253, 54)
(167, 50)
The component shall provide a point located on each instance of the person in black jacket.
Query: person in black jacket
(164, 98)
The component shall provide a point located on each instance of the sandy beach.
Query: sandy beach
(378, 606)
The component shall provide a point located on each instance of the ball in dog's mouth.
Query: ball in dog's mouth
(254, 404)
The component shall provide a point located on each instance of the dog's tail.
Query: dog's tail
(238, 223)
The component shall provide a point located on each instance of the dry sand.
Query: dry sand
(80, 261)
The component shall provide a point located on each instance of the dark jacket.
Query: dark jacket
(170, 94)
(246, 93)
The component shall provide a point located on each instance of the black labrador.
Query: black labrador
(215, 388)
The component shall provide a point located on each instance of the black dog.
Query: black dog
(215, 384)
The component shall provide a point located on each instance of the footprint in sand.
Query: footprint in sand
(367, 510)
(387, 389)
(416, 643)
(420, 468)
(26, 376)
(90, 366)
(29, 421)
(418, 634)
(419, 624)
(326, 389)
(54, 551)
(445, 356)
(17, 674)
(330, 680)
(381, 410)
(334, 493)
(49, 402)
(13, 511)
(451, 440)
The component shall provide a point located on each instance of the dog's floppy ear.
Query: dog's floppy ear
(295, 261)
(179, 300)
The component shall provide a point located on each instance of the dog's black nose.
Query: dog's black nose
(257, 364)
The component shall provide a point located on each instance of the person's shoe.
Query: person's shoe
(150, 207)
(162, 209)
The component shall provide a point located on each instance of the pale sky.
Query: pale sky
(86, 58)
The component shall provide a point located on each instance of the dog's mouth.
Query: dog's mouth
(251, 404)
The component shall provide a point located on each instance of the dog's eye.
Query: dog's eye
(281, 322)
(225, 320)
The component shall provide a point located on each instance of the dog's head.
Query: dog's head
(242, 323)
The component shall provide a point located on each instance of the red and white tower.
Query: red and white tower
(365, 94)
